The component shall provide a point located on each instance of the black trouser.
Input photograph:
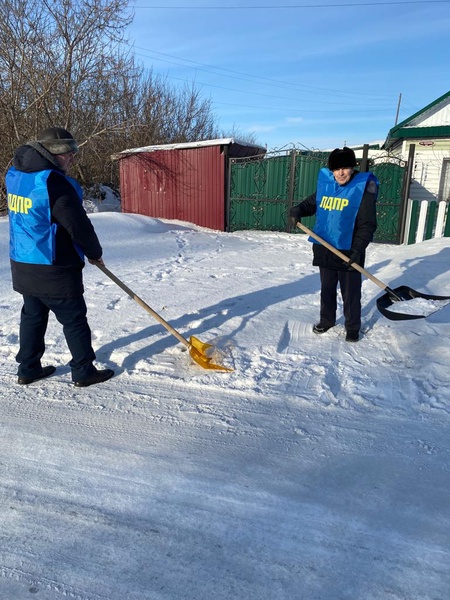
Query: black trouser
(350, 283)
(71, 313)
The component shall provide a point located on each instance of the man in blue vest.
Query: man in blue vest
(345, 209)
(50, 233)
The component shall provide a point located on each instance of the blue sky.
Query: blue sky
(318, 73)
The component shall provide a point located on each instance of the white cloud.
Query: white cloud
(294, 120)
(262, 128)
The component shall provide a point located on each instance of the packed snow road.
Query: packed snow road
(225, 496)
(315, 470)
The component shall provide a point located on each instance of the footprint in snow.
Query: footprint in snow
(113, 305)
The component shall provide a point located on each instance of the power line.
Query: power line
(270, 82)
(221, 87)
(284, 7)
(337, 111)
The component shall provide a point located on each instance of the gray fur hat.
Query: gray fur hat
(57, 140)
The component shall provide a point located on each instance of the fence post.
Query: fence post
(228, 167)
(429, 230)
(291, 186)
(413, 221)
(402, 237)
(364, 164)
(442, 209)
(423, 213)
(447, 223)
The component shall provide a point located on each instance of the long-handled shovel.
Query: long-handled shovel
(399, 294)
(197, 349)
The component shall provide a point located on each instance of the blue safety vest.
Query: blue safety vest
(32, 233)
(337, 207)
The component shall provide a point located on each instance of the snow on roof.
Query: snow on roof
(185, 145)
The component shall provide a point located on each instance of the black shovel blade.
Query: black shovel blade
(402, 294)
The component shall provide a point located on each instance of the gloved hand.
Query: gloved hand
(295, 213)
(354, 257)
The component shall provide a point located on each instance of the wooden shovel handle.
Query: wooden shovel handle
(345, 258)
(136, 298)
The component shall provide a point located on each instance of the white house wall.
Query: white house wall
(428, 161)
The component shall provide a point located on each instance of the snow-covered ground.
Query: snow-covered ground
(316, 469)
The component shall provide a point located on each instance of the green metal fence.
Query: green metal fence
(259, 193)
(262, 190)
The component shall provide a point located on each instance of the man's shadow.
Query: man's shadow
(418, 273)
(245, 307)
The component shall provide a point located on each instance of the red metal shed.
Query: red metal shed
(186, 182)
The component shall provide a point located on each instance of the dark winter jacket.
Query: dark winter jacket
(62, 279)
(365, 227)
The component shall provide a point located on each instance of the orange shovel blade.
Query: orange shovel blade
(197, 350)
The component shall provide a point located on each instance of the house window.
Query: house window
(444, 188)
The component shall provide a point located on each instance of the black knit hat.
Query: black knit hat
(341, 158)
(57, 140)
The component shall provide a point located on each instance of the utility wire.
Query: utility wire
(337, 111)
(283, 7)
(247, 92)
(271, 82)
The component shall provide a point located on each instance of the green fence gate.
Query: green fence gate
(392, 196)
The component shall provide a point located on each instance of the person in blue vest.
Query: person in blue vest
(345, 208)
(50, 234)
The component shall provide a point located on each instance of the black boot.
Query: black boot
(46, 371)
(352, 336)
(320, 328)
(97, 377)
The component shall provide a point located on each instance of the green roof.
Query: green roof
(402, 130)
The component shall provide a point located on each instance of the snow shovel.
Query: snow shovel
(197, 349)
(399, 294)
